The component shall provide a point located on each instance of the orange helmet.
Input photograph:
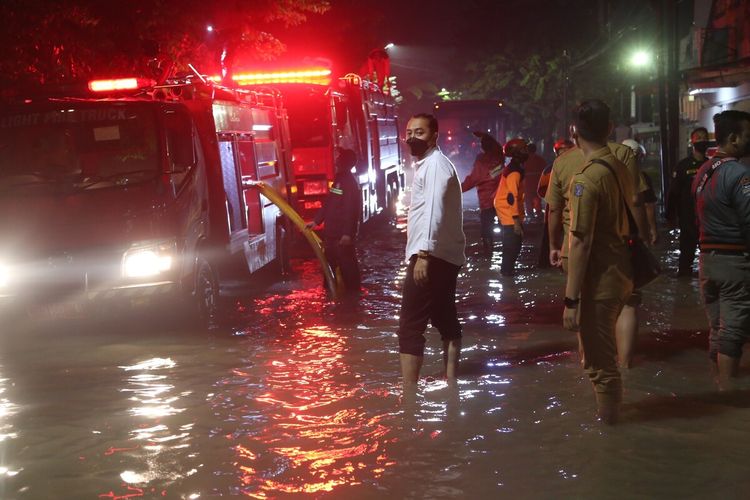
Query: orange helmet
(562, 144)
(516, 148)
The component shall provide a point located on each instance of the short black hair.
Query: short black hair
(727, 123)
(346, 158)
(431, 120)
(698, 129)
(591, 119)
(531, 147)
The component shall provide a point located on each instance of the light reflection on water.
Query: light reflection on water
(302, 398)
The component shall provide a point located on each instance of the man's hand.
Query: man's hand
(571, 318)
(555, 257)
(653, 237)
(345, 240)
(420, 271)
(517, 227)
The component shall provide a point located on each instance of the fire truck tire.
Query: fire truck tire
(206, 295)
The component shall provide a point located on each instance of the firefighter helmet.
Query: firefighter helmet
(516, 148)
(561, 145)
(638, 150)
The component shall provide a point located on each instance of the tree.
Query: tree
(48, 41)
(531, 89)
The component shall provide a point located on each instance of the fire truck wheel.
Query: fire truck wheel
(206, 295)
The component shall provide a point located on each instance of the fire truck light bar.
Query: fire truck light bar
(119, 84)
(319, 76)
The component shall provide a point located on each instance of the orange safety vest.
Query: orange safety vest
(509, 197)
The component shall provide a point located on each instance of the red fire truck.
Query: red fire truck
(326, 114)
(129, 192)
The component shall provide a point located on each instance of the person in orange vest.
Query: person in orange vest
(485, 176)
(509, 201)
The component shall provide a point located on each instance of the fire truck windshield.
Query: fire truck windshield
(309, 118)
(78, 146)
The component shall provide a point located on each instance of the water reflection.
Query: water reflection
(318, 435)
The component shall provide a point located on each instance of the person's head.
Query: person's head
(531, 147)
(699, 140)
(591, 121)
(732, 130)
(345, 160)
(517, 150)
(489, 145)
(421, 133)
(638, 150)
(562, 145)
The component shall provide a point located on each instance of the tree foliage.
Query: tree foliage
(531, 89)
(50, 41)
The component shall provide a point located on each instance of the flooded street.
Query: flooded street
(303, 396)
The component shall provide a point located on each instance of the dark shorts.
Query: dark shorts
(433, 303)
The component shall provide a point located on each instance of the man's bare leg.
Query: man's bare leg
(451, 355)
(410, 366)
(625, 332)
(728, 368)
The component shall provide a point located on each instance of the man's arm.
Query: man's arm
(578, 258)
(516, 189)
(436, 184)
(555, 207)
(741, 200)
(472, 179)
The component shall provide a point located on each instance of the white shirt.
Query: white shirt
(435, 221)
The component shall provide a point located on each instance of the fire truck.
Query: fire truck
(326, 114)
(127, 192)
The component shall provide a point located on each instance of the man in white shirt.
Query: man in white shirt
(435, 245)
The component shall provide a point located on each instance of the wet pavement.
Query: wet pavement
(302, 396)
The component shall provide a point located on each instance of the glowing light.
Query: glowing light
(145, 263)
(317, 76)
(640, 58)
(389, 46)
(209, 28)
(119, 84)
(261, 128)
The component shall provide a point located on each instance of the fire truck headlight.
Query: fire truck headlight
(147, 261)
(4, 275)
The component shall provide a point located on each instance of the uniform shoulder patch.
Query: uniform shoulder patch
(578, 189)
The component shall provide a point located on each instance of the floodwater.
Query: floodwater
(302, 396)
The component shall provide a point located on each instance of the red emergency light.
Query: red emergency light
(119, 84)
(316, 76)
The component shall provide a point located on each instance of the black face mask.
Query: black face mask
(418, 147)
(701, 146)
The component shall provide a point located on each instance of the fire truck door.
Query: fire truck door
(232, 187)
(249, 172)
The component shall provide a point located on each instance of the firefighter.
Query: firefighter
(509, 204)
(560, 147)
(340, 212)
(680, 203)
(722, 193)
(485, 176)
(533, 168)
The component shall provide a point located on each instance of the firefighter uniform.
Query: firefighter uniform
(340, 212)
(509, 205)
(567, 165)
(722, 192)
(596, 209)
(485, 176)
(680, 203)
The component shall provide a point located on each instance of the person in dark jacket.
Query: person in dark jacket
(680, 204)
(722, 200)
(340, 213)
(485, 176)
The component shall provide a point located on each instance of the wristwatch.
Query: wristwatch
(423, 254)
(571, 303)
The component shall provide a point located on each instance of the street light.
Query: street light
(389, 46)
(640, 59)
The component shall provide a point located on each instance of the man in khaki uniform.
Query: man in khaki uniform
(563, 170)
(599, 272)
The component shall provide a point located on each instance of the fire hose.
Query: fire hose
(315, 243)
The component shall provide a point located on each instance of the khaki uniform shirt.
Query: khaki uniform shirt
(596, 209)
(570, 163)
